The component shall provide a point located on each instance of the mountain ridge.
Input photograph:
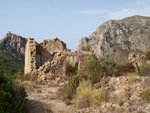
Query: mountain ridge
(14, 45)
(115, 36)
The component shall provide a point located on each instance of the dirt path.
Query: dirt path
(44, 99)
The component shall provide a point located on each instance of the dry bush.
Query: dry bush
(22, 78)
(147, 55)
(120, 100)
(144, 70)
(27, 77)
(47, 109)
(87, 95)
(69, 89)
(141, 111)
(66, 93)
(124, 69)
(132, 74)
(145, 94)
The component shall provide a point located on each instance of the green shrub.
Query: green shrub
(87, 95)
(76, 79)
(71, 70)
(144, 70)
(128, 43)
(12, 96)
(69, 89)
(87, 48)
(11, 67)
(98, 68)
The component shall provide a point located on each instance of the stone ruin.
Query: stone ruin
(30, 56)
(49, 58)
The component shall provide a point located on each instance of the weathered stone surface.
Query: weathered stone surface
(30, 56)
(48, 48)
(53, 56)
(57, 67)
(116, 38)
(136, 59)
(14, 45)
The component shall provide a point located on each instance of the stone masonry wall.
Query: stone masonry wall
(53, 57)
(48, 48)
(30, 56)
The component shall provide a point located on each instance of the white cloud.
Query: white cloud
(139, 7)
(92, 12)
(128, 12)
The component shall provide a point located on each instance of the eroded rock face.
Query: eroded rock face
(117, 37)
(14, 45)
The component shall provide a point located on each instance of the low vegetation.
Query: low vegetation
(124, 69)
(70, 69)
(80, 87)
(145, 94)
(87, 95)
(12, 96)
(97, 68)
(87, 48)
(69, 90)
(10, 66)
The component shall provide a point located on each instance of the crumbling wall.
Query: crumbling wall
(83, 58)
(48, 48)
(30, 56)
(78, 58)
(57, 67)
(53, 56)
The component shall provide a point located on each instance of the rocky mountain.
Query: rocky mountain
(117, 38)
(14, 45)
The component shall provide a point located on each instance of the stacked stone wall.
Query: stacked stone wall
(30, 56)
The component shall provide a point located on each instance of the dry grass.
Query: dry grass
(87, 96)
(141, 111)
(28, 84)
(132, 74)
(120, 100)
(145, 94)
(47, 109)
(66, 93)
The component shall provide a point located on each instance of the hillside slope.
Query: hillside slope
(10, 66)
(116, 38)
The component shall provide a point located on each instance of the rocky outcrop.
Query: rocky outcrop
(14, 45)
(136, 59)
(117, 38)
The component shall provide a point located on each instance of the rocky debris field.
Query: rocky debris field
(126, 94)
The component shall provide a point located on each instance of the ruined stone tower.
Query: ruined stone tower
(30, 56)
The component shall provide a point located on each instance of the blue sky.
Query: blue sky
(69, 20)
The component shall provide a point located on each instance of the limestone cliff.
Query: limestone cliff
(117, 38)
(14, 45)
